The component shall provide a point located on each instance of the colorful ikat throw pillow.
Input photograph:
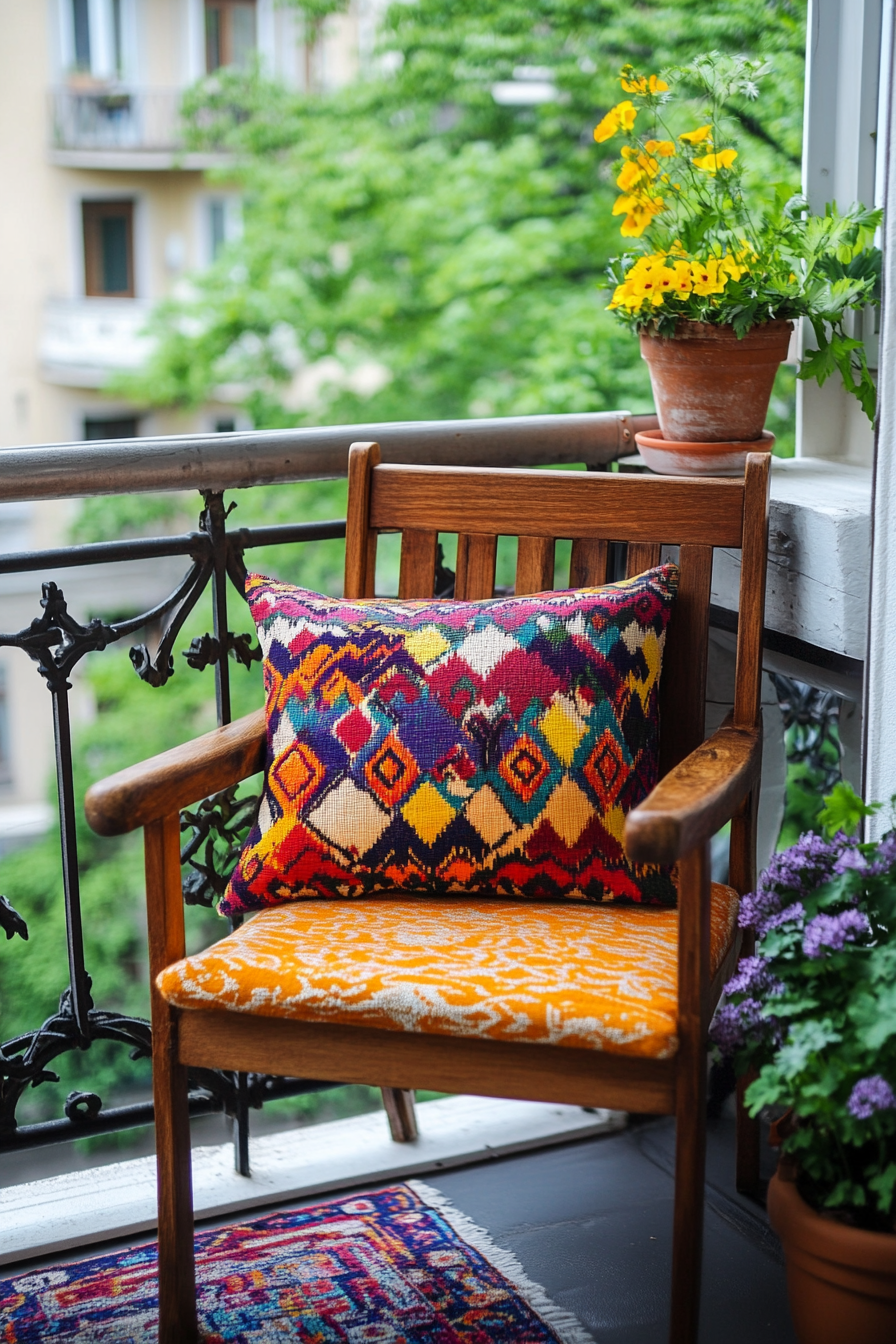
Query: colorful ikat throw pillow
(488, 748)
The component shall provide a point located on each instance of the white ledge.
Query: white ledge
(119, 1200)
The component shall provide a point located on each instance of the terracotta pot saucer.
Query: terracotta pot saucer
(673, 458)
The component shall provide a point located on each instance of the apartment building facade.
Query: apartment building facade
(103, 214)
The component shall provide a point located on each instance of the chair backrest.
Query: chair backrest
(592, 510)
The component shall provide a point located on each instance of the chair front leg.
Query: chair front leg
(743, 878)
(177, 1273)
(690, 1094)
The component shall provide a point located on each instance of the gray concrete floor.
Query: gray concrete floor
(592, 1223)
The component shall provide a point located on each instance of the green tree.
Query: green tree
(431, 251)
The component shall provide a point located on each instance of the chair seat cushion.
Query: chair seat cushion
(595, 977)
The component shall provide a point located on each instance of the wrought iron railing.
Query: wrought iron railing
(56, 642)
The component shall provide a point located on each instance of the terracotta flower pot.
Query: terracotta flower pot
(841, 1280)
(710, 387)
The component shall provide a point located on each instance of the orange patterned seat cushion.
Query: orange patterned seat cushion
(598, 977)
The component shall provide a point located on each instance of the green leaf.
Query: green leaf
(883, 1183)
(844, 810)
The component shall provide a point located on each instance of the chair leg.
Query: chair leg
(177, 1271)
(747, 1141)
(399, 1107)
(690, 1175)
(690, 1094)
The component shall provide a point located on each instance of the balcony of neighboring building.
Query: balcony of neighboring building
(95, 124)
(86, 340)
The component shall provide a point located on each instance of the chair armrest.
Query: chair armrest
(696, 798)
(166, 783)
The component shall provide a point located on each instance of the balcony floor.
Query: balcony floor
(591, 1221)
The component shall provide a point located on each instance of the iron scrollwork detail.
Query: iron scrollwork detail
(24, 1060)
(219, 826)
(11, 922)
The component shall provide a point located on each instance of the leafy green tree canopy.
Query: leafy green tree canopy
(415, 248)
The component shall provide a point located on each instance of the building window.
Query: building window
(110, 427)
(81, 30)
(223, 221)
(217, 227)
(229, 33)
(109, 249)
(97, 47)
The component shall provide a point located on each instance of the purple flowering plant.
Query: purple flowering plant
(813, 1010)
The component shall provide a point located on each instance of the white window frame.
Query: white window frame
(845, 79)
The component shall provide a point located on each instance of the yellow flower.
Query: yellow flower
(643, 85)
(706, 277)
(639, 211)
(628, 296)
(638, 173)
(730, 268)
(683, 280)
(619, 118)
(664, 148)
(697, 137)
(710, 163)
(631, 176)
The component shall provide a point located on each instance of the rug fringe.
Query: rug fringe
(564, 1324)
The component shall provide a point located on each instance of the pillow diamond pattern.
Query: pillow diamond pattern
(449, 747)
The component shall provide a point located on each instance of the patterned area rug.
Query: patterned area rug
(399, 1266)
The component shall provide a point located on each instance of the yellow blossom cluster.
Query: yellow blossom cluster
(641, 175)
(637, 202)
(641, 83)
(651, 279)
(619, 118)
(710, 162)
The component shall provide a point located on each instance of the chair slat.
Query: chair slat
(537, 503)
(534, 565)
(360, 535)
(683, 683)
(475, 573)
(641, 556)
(588, 563)
(417, 574)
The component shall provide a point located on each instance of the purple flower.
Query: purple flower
(762, 911)
(792, 914)
(870, 1095)
(851, 859)
(805, 865)
(735, 1024)
(753, 977)
(833, 932)
(794, 872)
(886, 852)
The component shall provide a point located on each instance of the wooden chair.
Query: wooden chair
(703, 785)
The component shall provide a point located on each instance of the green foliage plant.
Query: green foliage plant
(410, 221)
(815, 1011)
(721, 252)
